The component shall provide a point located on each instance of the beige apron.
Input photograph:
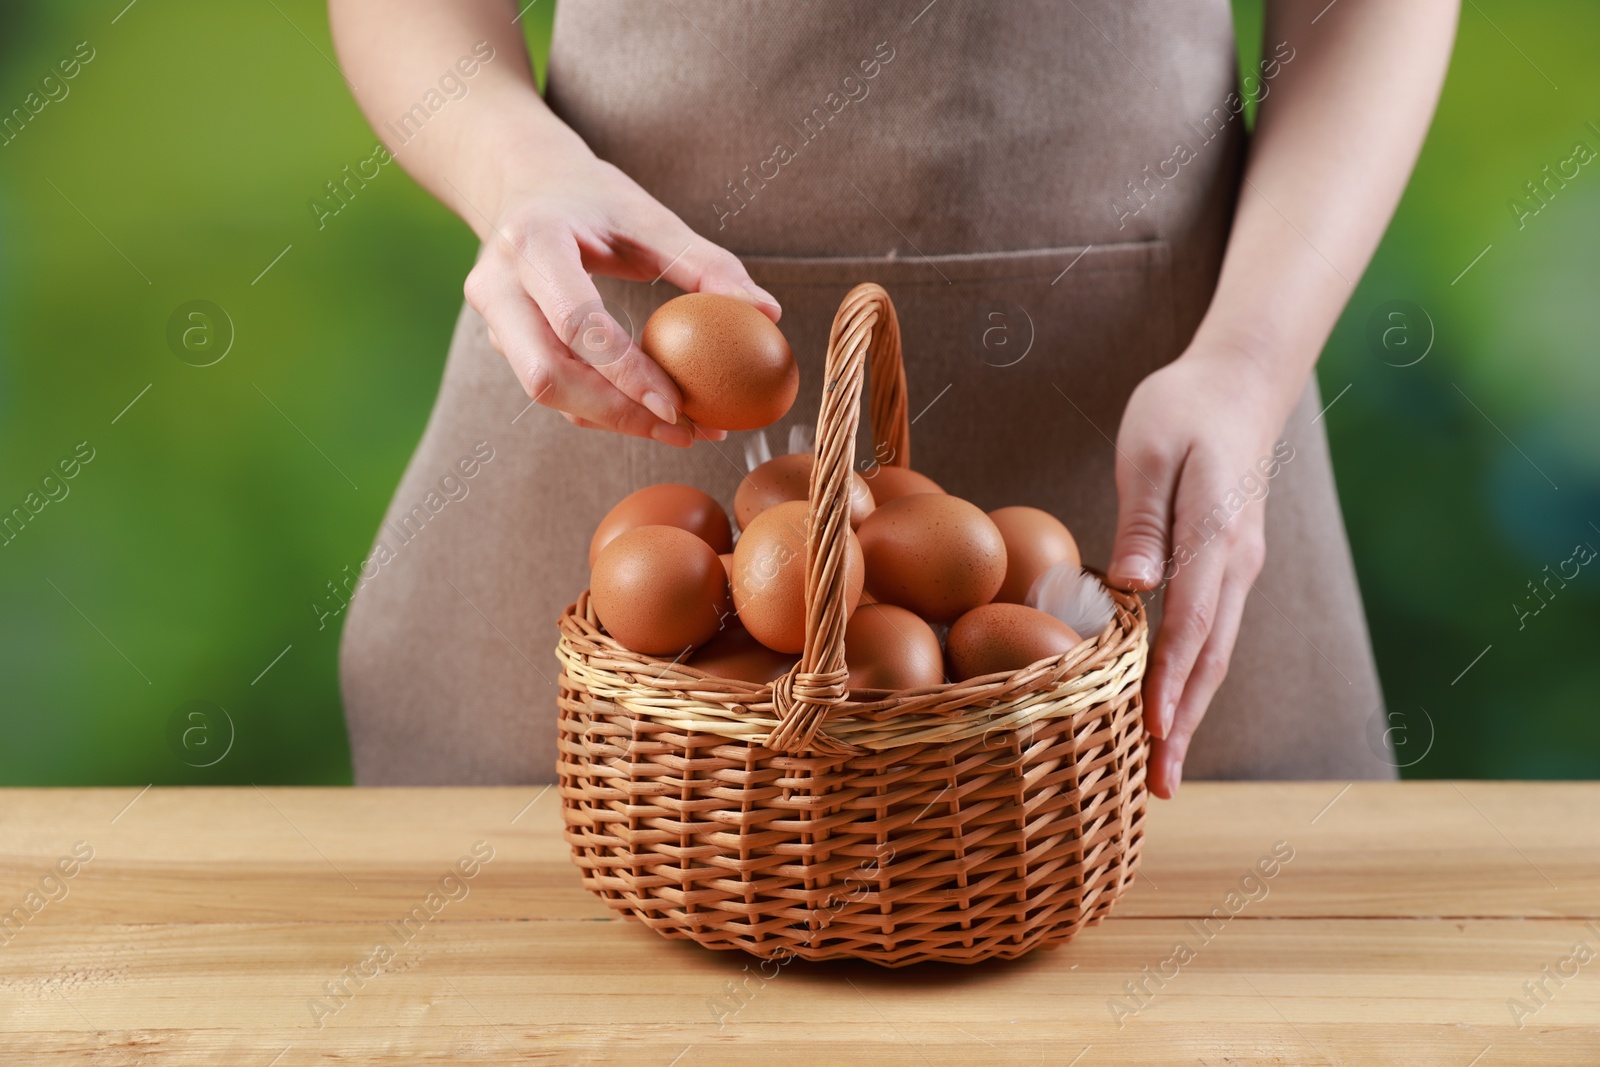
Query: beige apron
(1010, 173)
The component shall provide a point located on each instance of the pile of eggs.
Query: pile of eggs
(668, 580)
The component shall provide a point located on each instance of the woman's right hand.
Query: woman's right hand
(579, 214)
(548, 211)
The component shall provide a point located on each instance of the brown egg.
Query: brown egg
(887, 647)
(659, 590)
(936, 554)
(682, 506)
(730, 361)
(1004, 637)
(889, 483)
(1035, 541)
(733, 653)
(769, 576)
(789, 478)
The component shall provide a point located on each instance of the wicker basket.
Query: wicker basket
(956, 822)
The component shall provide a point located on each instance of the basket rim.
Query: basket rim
(1130, 606)
(1092, 674)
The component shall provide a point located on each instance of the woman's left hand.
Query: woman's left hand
(1196, 440)
(1329, 155)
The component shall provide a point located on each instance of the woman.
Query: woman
(1081, 251)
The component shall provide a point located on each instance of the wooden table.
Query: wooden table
(212, 926)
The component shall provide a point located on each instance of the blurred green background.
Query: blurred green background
(181, 563)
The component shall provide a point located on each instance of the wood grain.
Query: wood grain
(208, 923)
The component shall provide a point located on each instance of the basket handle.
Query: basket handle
(886, 370)
(865, 334)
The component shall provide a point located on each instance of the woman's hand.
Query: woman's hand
(549, 212)
(1193, 455)
(1329, 156)
(577, 215)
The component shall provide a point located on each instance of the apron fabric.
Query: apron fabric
(1006, 172)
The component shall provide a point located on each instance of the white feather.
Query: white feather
(802, 437)
(1075, 596)
(756, 450)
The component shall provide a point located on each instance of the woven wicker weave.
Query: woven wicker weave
(956, 822)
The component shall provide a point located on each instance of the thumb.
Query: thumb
(1144, 522)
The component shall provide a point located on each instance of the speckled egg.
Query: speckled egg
(730, 361)
(682, 506)
(733, 653)
(890, 483)
(888, 647)
(936, 554)
(769, 576)
(1035, 541)
(659, 590)
(1004, 637)
(785, 478)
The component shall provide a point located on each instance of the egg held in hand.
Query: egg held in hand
(888, 647)
(936, 554)
(1035, 541)
(769, 576)
(659, 590)
(785, 478)
(1004, 637)
(668, 504)
(730, 362)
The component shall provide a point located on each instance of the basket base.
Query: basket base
(985, 848)
(977, 946)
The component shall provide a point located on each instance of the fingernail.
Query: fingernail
(1169, 711)
(1135, 569)
(1174, 774)
(661, 408)
(763, 297)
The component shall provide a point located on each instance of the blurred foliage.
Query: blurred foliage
(181, 563)
(1476, 471)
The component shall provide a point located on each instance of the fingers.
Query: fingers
(696, 265)
(550, 268)
(1145, 487)
(1169, 752)
(1247, 553)
(1166, 767)
(564, 342)
(699, 431)
(1201, 536)
(547, 369)
(1187, 619)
